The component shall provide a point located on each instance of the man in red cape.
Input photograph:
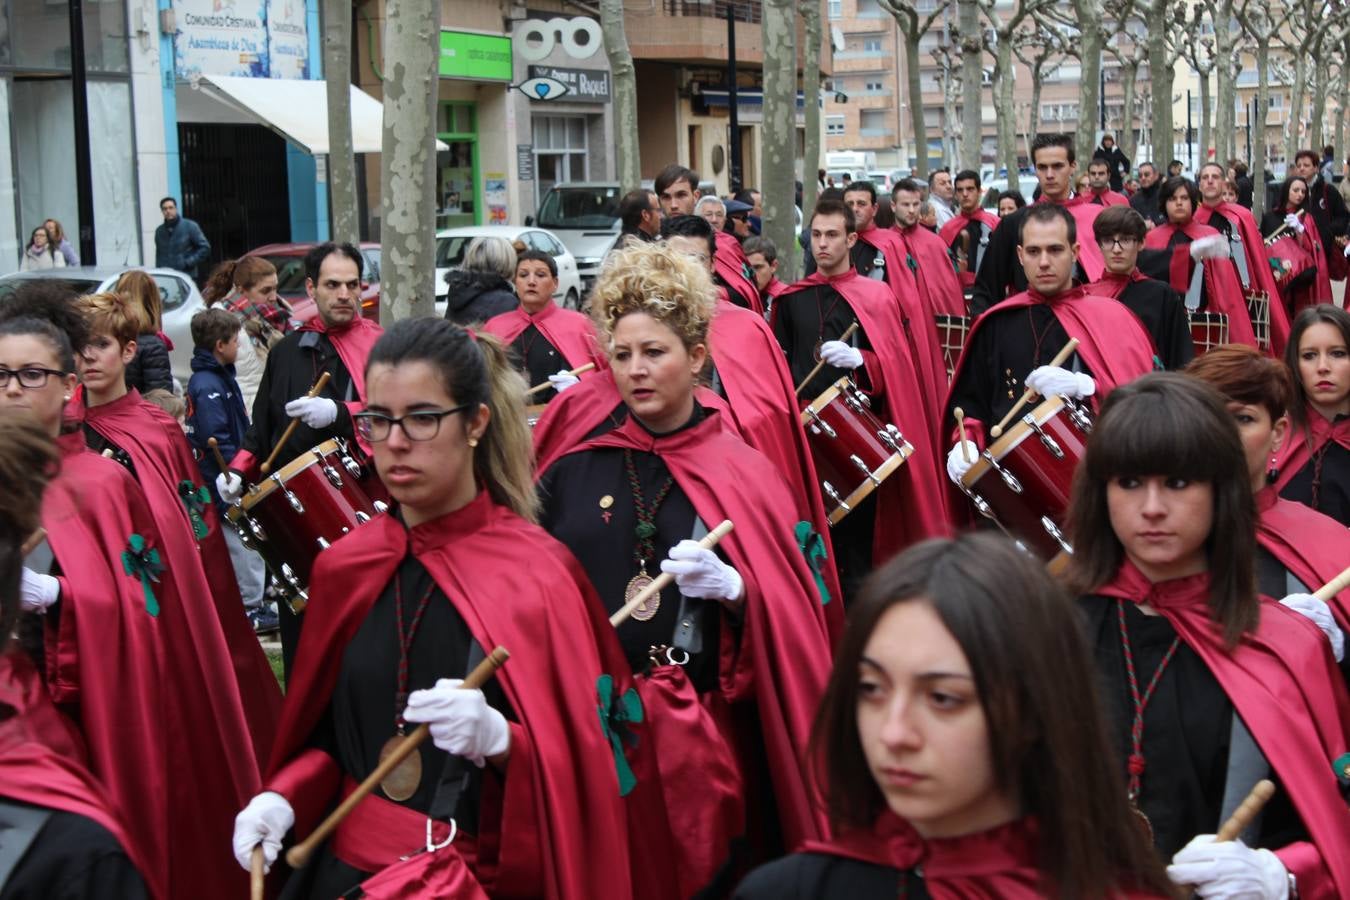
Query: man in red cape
(1285, 686)
(1195, 244)
(1099, 185)
(972, 219)
(561, 830)
(677, 189)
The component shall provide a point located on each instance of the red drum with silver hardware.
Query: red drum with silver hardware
(854, 451)
(1022, 480)
(953, 332)
(299, 510)
(1208, 330)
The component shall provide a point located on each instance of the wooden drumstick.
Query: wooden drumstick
(1062, 355)
(295, 423)
(848, 333)
(579, 370)
(709, 541)
(1333, 587)
(299, 855)
(215, 449)
(37, 537)
(960, 415)
(257, 876)
(1261, 792)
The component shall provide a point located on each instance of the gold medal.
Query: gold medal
(815, 351)
(401, 783)
(1143, 821)
(648, 607)
(606, 501)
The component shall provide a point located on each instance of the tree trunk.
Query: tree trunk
(1225, 83)
(811, 99)
(1343, 101)
(1005, 117)
(949, 90)
(1259, 143)
(917, 122)
(1204, 119)
(1034, 119)
(1294, 115)
(780, 109)
(337, 68)
(971, 35)
(1089, 13)
(624, 78)
(1160, 77)
(1129, 77)
(408, 162)
(1319, 100)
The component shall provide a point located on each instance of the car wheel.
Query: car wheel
(572, 300)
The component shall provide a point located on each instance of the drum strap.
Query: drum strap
(1246, 766)
(1239, 257)
(688, 634)
(985, 231)
(1197, 282)
(455, 776)
(19, 826)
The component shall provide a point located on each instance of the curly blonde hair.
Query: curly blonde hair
(651, 278)
(113, 314)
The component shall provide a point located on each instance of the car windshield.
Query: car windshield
(450, 250)
(593, 207)
(290, 273)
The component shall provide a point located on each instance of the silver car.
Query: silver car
(178, 295)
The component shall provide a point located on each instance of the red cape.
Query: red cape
(953, 227)
(1320, 290)
(1107, 197)
(1314, 547)
(1258, 265)
(1084, 212)
(36, 770)
(571, 333)
(1111, 340)
(940, 293)
(1296, 453)
(1283, 682)
(1221, 278)
(562, 826)
(734, 269)
(163, 460)
(353, 344)
(774, 287)
(911, 505)
(782, 662)
(1110, 285)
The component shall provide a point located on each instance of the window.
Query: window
(560, 150)
(872, 44)
(173, 291)
(868, 9)
(1059, 112)
(873, 87)
(872, 123)
(834, 124)
(835, 9)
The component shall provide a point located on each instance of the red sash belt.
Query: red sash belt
(379, 833)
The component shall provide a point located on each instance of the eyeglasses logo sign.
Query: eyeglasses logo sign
(543, 88)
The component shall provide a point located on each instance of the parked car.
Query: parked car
(178, 294)
(289, 260)
(452, 242)
(585, 217)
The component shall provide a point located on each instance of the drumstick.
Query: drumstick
(257, 874)
(848, 333)
(961, 429)
(215, 448)
(299, 855)
(1333, 587)
(1261, 792)
(708, 542)
(38, 536)
(295, 423)
(579, 370)
(1062, 355)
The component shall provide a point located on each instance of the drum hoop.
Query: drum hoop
(859, 494)
(1017, 432)
(825, 399)
(309, 458)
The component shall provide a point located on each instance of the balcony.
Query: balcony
(741, 10)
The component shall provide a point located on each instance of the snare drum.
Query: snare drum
(299, 510)
(1258, 307)
(1022, 480)
(953, 332)
(853, 450)
(1208, 330)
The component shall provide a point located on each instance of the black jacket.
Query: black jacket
(181, 245)
(215, 410)
(1328, 210)
(150, 368)
(1120, 164)
(293, 366)
(477, 296)
(1145, 202)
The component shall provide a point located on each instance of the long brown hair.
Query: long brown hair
(242, 273)
(1047, 736)
(1313, 315)
(1170, 424)
(141, 289)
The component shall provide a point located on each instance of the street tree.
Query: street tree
(971, 39)
(337, 67)
(1041, 46)
(947, 56)
(1228, 65)
(811, 102)
(779, 28)
(1263, 22)
(1128, 47)
(1312, 26)
(913, 26)
(1197, 48)
(1089, 19)
(624, 78)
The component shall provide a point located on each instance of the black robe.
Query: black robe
(1333, 483)
(824, 876)
(1163, 312)
(537, 359)
(293, 366)
(807, 318)
(72, 857)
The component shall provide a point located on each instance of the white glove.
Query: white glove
(1346, 251)
(230, 486)
(1229, 871)
(461, 721)
(1215, 246)
(841, 355)
(316, 412)
(562, 380)
(1052, 381)
(1293, 222)
(699, 573)
(265, 821)
(37, 592)
(1312, 608)
(957, 465)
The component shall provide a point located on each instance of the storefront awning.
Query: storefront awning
(295, 109)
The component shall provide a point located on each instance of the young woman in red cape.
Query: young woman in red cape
(1299, 548)
(1210, 688)
(961, 748)
(1313, 466)
(743, 625)
(546, 342)
(67, 841)
(1291, 215)
(521, 774)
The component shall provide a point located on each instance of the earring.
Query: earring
(473, 442)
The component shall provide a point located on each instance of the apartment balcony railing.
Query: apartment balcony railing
(741, 10)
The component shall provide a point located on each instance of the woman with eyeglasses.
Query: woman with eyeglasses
(521, 773)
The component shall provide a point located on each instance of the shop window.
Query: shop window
(40, 34)
(560, 151)
(457, 167)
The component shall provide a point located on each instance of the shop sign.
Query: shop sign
(268, 39)
(481, 57)
(582, 84)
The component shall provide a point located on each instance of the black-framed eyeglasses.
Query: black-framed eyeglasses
(30, 377)
(1118, 243)
(422, 425)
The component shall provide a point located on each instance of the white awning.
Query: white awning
(293, 108)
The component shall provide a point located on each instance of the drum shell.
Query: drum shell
(857, 433)
(1208, 330)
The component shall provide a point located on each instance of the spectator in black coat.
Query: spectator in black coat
(1145, 200)
(481, 287)
(150, 368)
(1116, 160)
(179, 242)
(1237, 171)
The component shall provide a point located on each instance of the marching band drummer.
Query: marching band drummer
(628, 502)
(1313, 466)
(337, 341)
(401, 609)
(961, 748)
(546, 341)
(1211, 688)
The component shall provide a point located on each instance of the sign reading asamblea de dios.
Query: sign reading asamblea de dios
(482, 57)
(252, 38)
(582, 84)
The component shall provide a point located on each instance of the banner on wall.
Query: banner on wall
(247, 38)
